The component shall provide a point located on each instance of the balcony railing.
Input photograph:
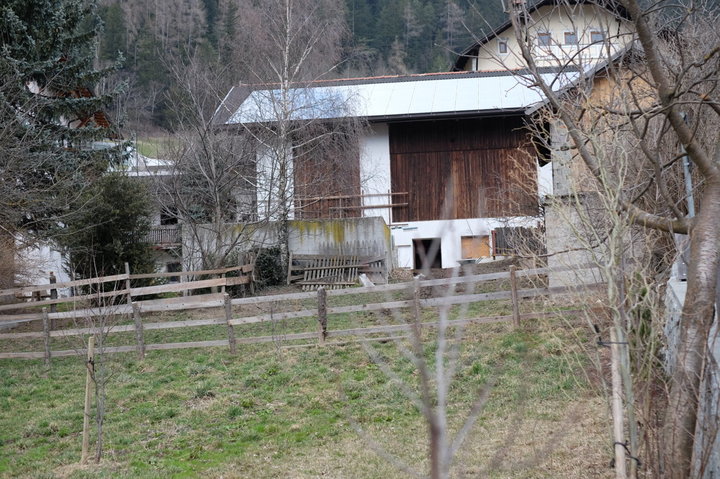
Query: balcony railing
(348, 206)
(164, 236)
(559, 53)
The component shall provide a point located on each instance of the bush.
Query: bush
(110, 230)
(269, 270)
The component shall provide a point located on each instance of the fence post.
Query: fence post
(617, 407)
(46, 331)
(514, 293)
(289, 273)
(322, 313)
(222, 288)
(53, 292)
(416, 312)
(138, 331)
(88, 391)
(127, 283)
(230, 330)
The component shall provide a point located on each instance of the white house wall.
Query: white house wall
(545, 180)
(449, 232)
(557, 20)
(37, 263)
(268, 184)
(375, 170)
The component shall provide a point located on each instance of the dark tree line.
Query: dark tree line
(393, 37)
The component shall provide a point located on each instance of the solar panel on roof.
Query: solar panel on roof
(397, 98)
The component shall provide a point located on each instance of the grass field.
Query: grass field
(276, 411)
(154, 147)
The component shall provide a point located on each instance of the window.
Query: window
(571, 38)
(168, 216)
(597, 36)
(502, 46)
(174, 268)
(544, 39)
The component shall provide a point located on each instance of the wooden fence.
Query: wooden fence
(116, 286)
(336, 271)
(321, 313)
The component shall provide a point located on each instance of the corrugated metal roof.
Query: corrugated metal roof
(453, 95)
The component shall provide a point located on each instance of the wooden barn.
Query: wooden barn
(445, 159)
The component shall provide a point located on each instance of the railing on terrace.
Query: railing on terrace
(164, 235)
(347, 206)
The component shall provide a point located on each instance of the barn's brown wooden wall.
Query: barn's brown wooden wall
(482, 167)
(322, 173)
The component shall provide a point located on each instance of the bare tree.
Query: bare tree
(302, 137)
(664, 108)
(431, 396)
(210, 178)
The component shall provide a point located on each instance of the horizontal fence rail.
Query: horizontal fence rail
(320, 313)
(224, 281)
(388, 328)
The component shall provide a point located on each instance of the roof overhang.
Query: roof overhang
(386, 99)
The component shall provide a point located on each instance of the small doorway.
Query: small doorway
(427, 253)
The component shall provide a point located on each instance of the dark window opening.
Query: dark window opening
(168, 217)
(427, 253)
(541, 142)
(502, 46)
(174, 268)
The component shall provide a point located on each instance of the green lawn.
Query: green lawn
(154, 147)
(274, 411)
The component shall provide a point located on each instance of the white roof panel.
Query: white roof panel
(424, 97)
(380, 98)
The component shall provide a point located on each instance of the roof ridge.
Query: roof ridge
(402, 78)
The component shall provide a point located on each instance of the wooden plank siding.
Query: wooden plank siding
(483, 167)
(324, 172)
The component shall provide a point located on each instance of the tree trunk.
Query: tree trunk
(697, 317)
(436, 445)
(7, 260)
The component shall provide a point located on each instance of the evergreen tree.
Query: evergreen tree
(390, 25)
(111, 230)
(114, 38)
(212, 12)
(49, 119)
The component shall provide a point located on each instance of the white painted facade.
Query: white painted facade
(375, 171)
(450, 234)
(37, 262)
(271, 181)
(598, 35)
